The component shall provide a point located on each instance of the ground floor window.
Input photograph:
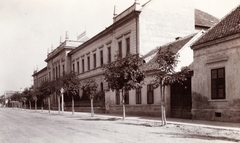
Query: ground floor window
(150, 94)
(138, 95)
(126, 98)
(218, 83)
(117, 97)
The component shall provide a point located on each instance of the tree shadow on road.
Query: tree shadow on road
(100, 119)
(195, 136)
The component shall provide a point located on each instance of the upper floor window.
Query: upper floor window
(83, 70)
(218, 83)
(101, 57)
(63, 69)
(59, 71)
(94, 61)
(109, 54)
(120, 49)
(78, 68)
(150, 94)
(73, 67)
(128, 45)
(88, 58)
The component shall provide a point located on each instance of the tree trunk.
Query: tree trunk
(42, 106)
(92, 111)
(62, 104)
(123, 102)
(163, 109)
(30, 106)
(72, 105)
(24, 105)
(35, 105)
(58, 104)
(48, 104)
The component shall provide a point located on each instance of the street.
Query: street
(25, 126)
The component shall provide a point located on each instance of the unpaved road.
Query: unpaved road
(24, 126)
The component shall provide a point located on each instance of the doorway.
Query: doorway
(181, 99)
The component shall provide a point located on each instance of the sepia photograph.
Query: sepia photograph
(119, 71)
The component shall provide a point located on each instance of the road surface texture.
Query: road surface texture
(25, 126)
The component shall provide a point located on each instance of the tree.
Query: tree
(166, 74)
(25, 96)
(35, 97)
(124, 74)
(57, 86)
(47, 89)
(89, 87)
(71, 84)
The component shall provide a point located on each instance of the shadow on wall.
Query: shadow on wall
(199, 101)
(235, 103)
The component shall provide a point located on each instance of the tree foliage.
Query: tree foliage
(167, 61)
(89, 87)
(70, 83)
(124, 73)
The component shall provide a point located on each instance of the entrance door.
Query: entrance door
(181, 100)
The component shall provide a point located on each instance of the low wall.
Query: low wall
(138, 110)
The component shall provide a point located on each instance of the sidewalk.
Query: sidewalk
(176, 121)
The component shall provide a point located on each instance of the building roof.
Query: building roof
(204, 19)
(174, 46)
(229, 25)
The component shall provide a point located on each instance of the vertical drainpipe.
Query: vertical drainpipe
(137, 34)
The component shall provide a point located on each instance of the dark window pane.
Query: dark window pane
(214, 94)
(220, 73)
(220, 93)
(214, 74)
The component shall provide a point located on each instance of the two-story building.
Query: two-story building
(137, 30)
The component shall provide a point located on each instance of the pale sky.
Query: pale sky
(28, 28)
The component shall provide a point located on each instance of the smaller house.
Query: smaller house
(216, 66)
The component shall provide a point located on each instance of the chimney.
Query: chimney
(137, 5)
(114, 13)
(66, 36)
(51, 47)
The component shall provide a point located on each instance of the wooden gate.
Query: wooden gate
(181, 99)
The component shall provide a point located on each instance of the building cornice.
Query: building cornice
(216, 41)
(108, 30)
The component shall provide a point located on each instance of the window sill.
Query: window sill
(218, 100)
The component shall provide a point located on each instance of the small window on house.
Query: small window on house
(218, 83)
(101, 58)
(150, 94)
(94, 61)
(127, 45)
(120, 49)
(117, 97)
(138, 95)
(109, 54)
